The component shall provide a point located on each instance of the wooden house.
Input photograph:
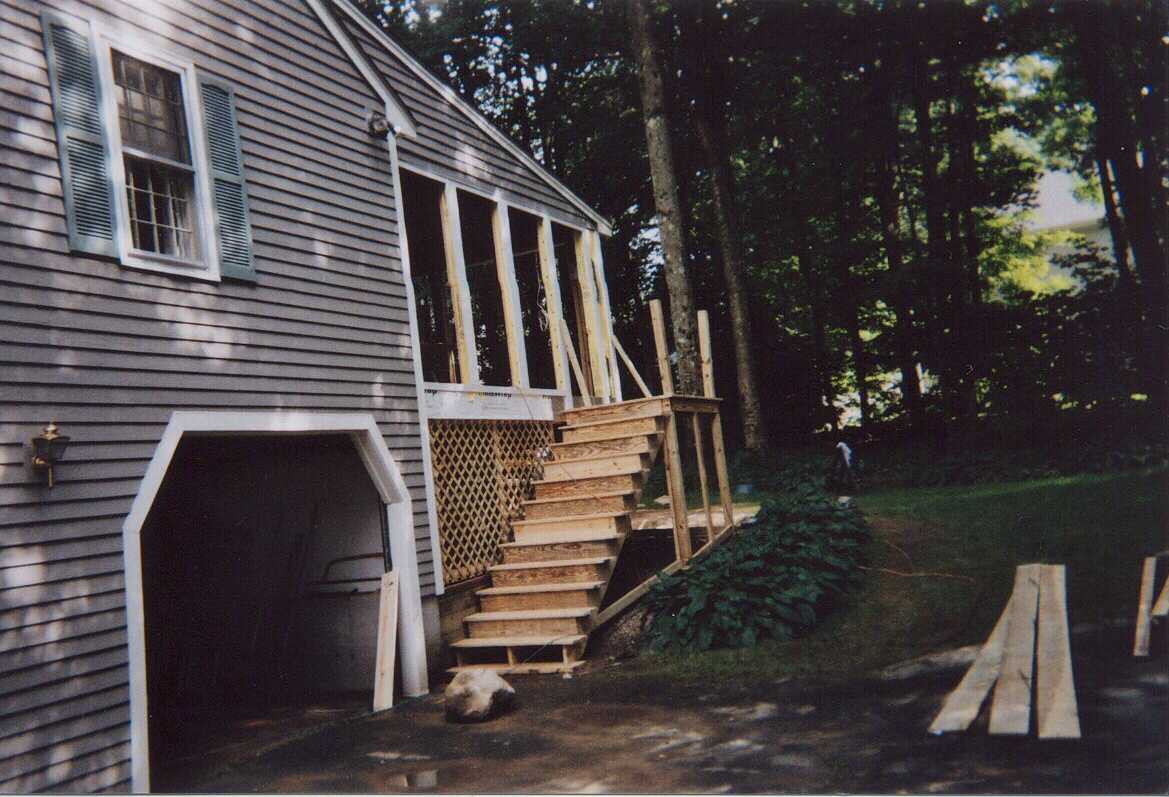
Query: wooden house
(303, 317)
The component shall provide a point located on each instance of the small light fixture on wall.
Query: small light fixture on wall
(48, 448)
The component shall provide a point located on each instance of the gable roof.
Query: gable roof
(450, 96)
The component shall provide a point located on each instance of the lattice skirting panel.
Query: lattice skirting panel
(482, 471)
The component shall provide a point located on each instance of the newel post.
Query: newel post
(716, 424)
(674, 485)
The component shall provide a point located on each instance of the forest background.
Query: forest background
(854, 192)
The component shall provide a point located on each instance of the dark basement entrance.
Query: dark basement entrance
(261, 559)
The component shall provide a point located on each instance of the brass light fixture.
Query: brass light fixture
(47, 450)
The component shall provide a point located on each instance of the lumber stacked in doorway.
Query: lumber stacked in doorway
(1026, 659)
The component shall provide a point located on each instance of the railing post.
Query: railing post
(716, 424)
(673, 457)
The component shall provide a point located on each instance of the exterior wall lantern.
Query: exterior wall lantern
(47, 450)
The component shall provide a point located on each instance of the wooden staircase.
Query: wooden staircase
(543, 600)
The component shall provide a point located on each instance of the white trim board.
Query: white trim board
(399, 115)
(383, 471)
(416, 358)
(482, 186)
(449, 94)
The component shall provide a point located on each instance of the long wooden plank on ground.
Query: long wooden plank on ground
(962, 705)
(387, 643)
(1010, 711)
(1055, 688)
(1140, 645)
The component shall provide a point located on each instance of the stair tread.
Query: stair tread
(527, 668)
(601, 538)
(569, 518)
(609, 421)
(591, 560)
(519, 641)
(596, 441)
(612, 405)
(550, 477)
(594, 458)
(562, 499)
(529, 614)
(527, 589)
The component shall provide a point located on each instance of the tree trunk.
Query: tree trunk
(665, 186)
(1115, 223)
(1101, 48)
(717, 159)
(860, 363)
(887, 207)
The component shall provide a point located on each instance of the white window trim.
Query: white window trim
(207, 267)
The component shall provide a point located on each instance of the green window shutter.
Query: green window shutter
(229, 193)
(81, 137)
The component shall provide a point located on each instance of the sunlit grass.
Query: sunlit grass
(1100, 526)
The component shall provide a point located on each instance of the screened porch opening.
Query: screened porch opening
(421, 199)
(261, 566)
(475, 214)
(571, 295)
(525, 231)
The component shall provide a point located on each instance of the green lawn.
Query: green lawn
(1100, 526)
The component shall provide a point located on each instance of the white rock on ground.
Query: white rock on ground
(476, 695)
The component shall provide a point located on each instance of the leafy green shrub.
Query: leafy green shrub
(774, 580)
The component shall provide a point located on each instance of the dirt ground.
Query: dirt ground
(605, 731)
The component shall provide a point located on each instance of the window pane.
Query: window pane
(432, 291)
(158, 198)
(150, 108)
(486, 297)
(533, 301)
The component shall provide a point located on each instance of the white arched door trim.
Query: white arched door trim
(383, 471)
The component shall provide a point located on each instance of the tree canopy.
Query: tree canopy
(882, 157)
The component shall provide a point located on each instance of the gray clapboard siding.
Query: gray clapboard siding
(84, 765)
(15, 740)
(103, 726)
(447, 140)
(143, 286)
(19, 599)
(57, 610)
(58, 755)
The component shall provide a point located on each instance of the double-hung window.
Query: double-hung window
(158, 170)
(150, 157)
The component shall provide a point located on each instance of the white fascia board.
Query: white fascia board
(451, 96)
(397, 114)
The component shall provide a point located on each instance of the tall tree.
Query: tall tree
(646, 51)
(710, 124)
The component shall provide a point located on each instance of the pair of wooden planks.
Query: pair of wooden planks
(1146, 609)
(1030, 639)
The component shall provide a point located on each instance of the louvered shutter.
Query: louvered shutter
(81, 139)
(229, 193)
